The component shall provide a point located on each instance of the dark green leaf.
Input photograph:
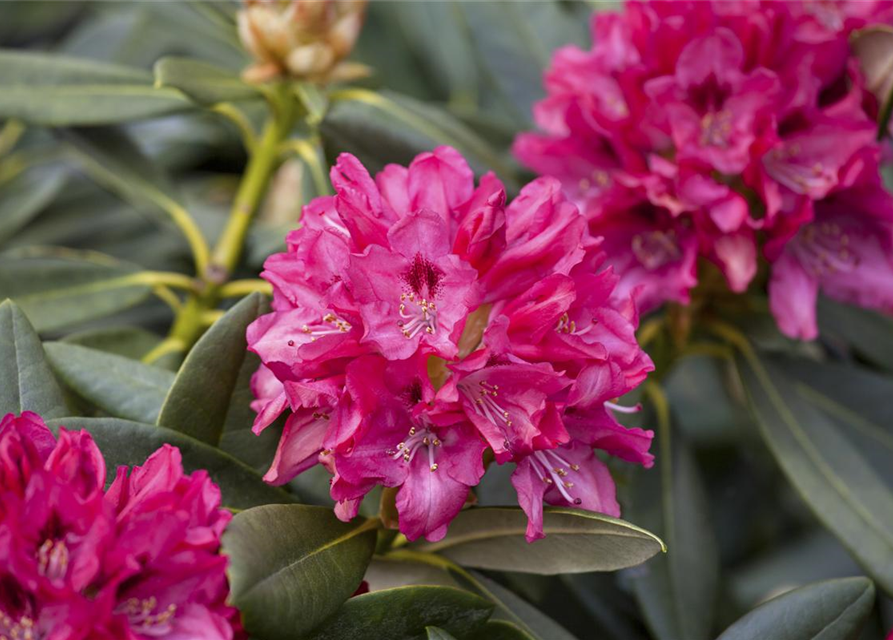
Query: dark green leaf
(576, 541)
(514, 43)
(500, 630)
(831, 610)
(204, 83)
(292, 566)
(24, 196)
(676, 590)
(238, 439)
(119, 386)
(26, 381)
(868, 332)
(55, 90)
(130, 342)
(57, 288)
(404, 613)
(825, 468)
(199, 399)
(513, 609)
(123, 442)
(387, 127)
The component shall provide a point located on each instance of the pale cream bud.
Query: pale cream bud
(301, 39)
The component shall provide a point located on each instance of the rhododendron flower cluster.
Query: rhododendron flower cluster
(419, 321)
(140, 560)
(724, 130)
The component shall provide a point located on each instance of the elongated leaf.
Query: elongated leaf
(57, 90)
(830, 610)
(58, 288)
(436, 633)
(25, 196)
(130, 342)
(576, 541)
(292, 566)
(404, 567)
(204, 83)
(868, 332)
(676, 590)
(237, 438)
(26, 381)
(828, 472)
(387, 127)
(500, 630)
(512, 609)
(404, 613)
(120, 386)
(123, 442)
(115, 161)
(199, 399)
(515, 42)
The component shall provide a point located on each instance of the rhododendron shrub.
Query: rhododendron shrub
(138, 560)
(421, 322)
(728, 132)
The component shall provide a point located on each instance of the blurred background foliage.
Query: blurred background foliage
(459, 73)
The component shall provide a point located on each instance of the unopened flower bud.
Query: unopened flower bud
(301, 39)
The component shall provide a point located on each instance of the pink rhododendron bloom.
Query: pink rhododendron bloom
(140, 560)
(722, 130)
(420, 320)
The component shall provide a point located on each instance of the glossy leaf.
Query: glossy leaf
(120, 386)
(25, 196)
(57, 288)
(56, 90)
(204, 83)
(831, 476)
(677, 590)
(404, 567)
(387, 127)
(199, 399)
(404, 613)
(830, 610)
(123, 442)
(292, 566)
(576, 541)
(26, 380)
(436, 633)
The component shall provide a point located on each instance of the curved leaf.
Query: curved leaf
(436, 633)
(57, 288)
(292, 566)
(576, 541)
(403, 613)
(388, 127)
(57, 90)
(199, 398)
(26, 381)
(830, 610)
(24, 196)
(677, 590)
(500, 630)
(825, 468)
(119, 386)
(204, 83)
(123, 442)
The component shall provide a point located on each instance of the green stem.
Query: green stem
(239, 288)
(262, 164)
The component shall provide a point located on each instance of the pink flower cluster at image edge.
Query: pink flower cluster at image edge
(725, 130)
(140, 560)
(419, 320)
